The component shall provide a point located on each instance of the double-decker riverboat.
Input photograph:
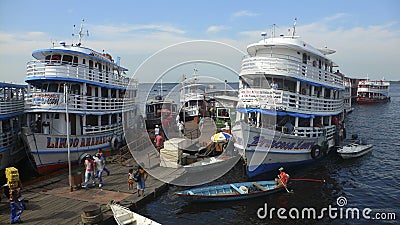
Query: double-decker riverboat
(76, 96)
(11, 118)
(290, 104)
(372, 91)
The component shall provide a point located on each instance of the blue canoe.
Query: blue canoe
(229, 192)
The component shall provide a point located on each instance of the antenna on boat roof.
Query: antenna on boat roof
(81, 33)
(294, 27)
(273, 29)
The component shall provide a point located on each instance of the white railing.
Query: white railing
(11, 106)
(113, 128)
(289, 67)
(82, 72)
(328, 131)
(55, 101)
(288, 101)
(8, 138)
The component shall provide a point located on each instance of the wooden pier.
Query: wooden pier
(51, 201)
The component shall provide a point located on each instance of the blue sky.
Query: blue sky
(365, 34)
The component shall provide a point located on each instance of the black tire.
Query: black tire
(316, 152)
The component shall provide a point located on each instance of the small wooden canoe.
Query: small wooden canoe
(124, 216)
(229, 192)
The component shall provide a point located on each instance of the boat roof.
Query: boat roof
(293, 42)
(40, 54)
(10, 85)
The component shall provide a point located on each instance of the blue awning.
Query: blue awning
(319, 85)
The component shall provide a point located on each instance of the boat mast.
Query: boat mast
(294, 27)
(81, 33)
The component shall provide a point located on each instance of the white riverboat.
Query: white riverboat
(193, 98)
(89, 89)
(372, 91)
(11, 118)
(290, 104)
(347, 96)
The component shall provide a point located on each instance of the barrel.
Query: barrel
(91, 214)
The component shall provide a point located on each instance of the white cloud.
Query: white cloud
(243, 13)
(215, 29)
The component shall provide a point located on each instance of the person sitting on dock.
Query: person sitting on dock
(282, 178)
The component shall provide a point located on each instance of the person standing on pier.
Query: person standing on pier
(99, 162)
(102, 156)
(16, 204)
(89, 171)
(181, 128)
(141, 184)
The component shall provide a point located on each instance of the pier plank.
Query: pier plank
(51, 202)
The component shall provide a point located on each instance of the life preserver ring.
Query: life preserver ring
(303, 91)
(114, 143)
(316, 152)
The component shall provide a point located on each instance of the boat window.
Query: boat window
(67, 59)
(47, 59)
(61, 88)
(55, 58)
(83, 61)
(104, 120)
(104, 92)
(75, 61)
(56, 116)
(114, 118)
(53, 88)
(75, 89)
(304, 58)
(150, 108)
(91, 120)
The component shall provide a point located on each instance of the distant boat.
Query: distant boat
(372, 91)
(354, 150)
(95, 91)
(124, 216)
(159, 108)
(230, 192)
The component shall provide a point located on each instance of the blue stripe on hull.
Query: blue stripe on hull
(264, 168)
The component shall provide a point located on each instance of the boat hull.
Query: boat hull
(226, 192)
(361, 100)
(265, 151)
(50, 152)
(355, 153)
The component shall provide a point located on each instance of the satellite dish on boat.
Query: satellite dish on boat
(326, 51)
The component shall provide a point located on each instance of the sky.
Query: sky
(153, 37)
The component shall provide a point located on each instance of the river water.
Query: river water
(369, 184)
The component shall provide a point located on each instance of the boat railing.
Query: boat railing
(8, 138)
(290, 67)
(114, 128)
(328, 131)
(54, 100)
(272, 99)
(39, 68)
(11, 106)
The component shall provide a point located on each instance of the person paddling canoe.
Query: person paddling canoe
(282, 178)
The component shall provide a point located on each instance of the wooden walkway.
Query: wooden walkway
(51, 201)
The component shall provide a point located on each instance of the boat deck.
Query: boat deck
(51, 202)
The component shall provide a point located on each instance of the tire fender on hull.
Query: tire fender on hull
(316, 152)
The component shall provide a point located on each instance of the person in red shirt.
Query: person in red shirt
(159, 142)
(282, 178)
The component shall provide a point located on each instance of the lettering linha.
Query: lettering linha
(75, 142)
(261, 141)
